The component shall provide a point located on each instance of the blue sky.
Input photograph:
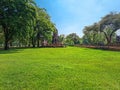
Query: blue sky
(72, 15)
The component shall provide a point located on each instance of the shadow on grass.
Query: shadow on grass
(10, 51)
(14, 50)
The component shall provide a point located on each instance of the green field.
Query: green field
(69, 68)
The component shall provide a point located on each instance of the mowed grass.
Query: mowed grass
(69, 68)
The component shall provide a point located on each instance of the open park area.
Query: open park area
(71, 68)
(59, 44)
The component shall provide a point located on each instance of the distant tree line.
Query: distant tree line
(24, 24)
(70, 40)
(101, 33)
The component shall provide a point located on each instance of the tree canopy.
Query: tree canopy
(24, 23)
(72, 39)
(103, 32)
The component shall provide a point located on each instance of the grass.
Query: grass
(69, 68)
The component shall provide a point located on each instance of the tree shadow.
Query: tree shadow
(10, 51)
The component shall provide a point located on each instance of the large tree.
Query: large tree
(15, 17)
(91, 34)
(111, 23)
(103, 31)
(43, 28)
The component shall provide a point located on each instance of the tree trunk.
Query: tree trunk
(33, 42)
(33, 45)
(6, 42)
(6, 46)
(11, 44)
(38, 43)
(107, 38)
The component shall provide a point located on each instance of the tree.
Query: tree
(1, 37)
(91, 34)
(15, 18)
(61, 38)
(108, 25)
(72, 39)
(55, 37)
(111, 23)
(43, 28)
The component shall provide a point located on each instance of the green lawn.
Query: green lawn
(59, 69)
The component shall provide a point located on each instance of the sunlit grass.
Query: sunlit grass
(59, 69)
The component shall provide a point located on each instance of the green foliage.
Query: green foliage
(72, 39)
(62, 38)
(44, 27)
(1, 37)
(105, 29)
(59, 69)
(15, 17)
(24, 23)
(111, 19)
(90, 34)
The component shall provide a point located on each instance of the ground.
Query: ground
(71, 68)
